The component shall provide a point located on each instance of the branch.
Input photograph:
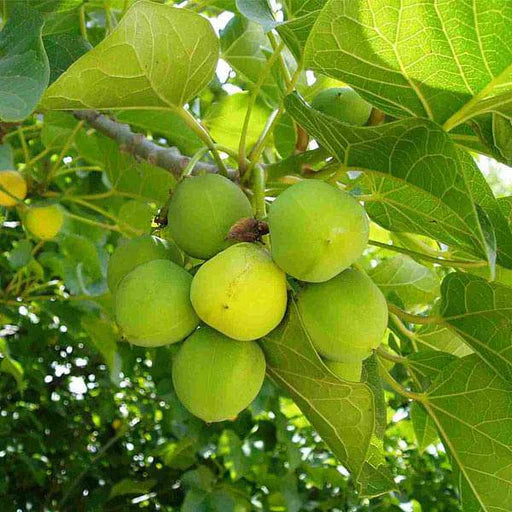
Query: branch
(168, 158)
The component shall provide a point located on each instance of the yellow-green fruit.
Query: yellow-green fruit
(153, 304)
(344, 104)
(16, 186)
(136, 251)
(44, 222)
(316, 230)
(347, 371)
(240, 292)
(345, 317)
(201, 212)
(215, 377)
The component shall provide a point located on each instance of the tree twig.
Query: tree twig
(168, 158)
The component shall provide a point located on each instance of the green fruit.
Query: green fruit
(345, 317)
(316, 230)
(240, 292)
(44, 222)
(136, 251)
(153, 304)
(216, 377)
(201, 212)
(344, 104)
(347, 371)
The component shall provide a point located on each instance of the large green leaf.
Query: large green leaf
(258, 11)
(150, 60)
(446, 61)
(413, 170)
(24, 69)
(440, 337)
(481, 313)
(341, 412)
(402, 277)
(375, 477)
(6, 157)
(472, 409)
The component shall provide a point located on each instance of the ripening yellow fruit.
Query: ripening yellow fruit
(13, 188)
(347, 371)
(240, 292)
(44, 222)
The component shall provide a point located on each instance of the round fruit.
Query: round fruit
(16, 186)
(153, 304)
(344, 104)
(216, 377)
(136, 251)
(347, 371)
(345, 317)
(201, 211)
(316, 230)
(44, 222)
(240, 292)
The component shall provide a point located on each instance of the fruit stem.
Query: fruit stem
(193, 161)
(398, 388)
(203, 134)
(382, 352)
(252, 101)
(406, 332)
(258, 188)
(426, 257)
(413, 319)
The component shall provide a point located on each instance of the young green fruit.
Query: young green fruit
(347, 371)
(316, 230)
(240, 292)
(201, 211)
(44, 222)
(136, 251)
(345, 317)
(153, 304)
(216, 377)
(344, 104)
(16, 186)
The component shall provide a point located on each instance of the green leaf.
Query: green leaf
(104, 336)
(258, 11)
(63, 50)
(440, 337)
(225, 120)
(481, 313)
(242, 43)
(426, 365)
(135, 216)
(341, 412)
(413, 283)
(6, 157)
(54, 6)
(302, 15)
(502, 131)
(57, 128)
(413, 169)
(375, 478)
(433, 60)
(424, 426)
(129, 486)
(180, 455)
(11, 366)
(371, 376)
(148, 60)
(235, 460)
(21, 255)
(24, 69)
(471, 406)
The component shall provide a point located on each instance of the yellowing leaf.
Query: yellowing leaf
(157, 57)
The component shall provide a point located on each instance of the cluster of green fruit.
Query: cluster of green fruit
(239, 293)
(44, 221)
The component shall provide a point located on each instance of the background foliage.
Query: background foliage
(91, 424)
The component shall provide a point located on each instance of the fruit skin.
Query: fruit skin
(44, 222)
(240, 292)
(136, 251)
(316, 230)
(344, 104)
(216, 377)
(153, 304)
(201, 211)
(15, 184)
(347, 371)
(345, 317)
